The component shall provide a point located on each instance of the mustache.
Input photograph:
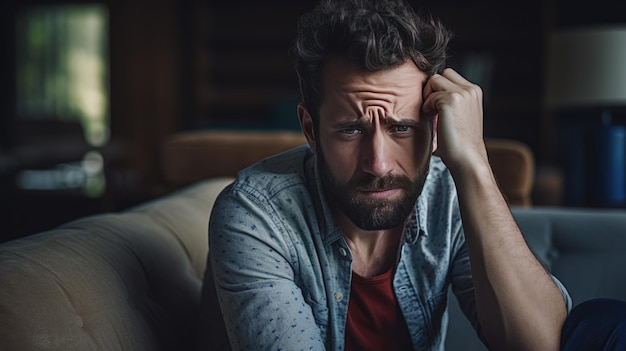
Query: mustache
(373, 183)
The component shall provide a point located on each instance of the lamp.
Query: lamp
(586, 73)
(587, 67)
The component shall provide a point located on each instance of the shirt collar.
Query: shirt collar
(415, 224)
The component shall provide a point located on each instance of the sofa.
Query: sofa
(118, 281)
(132, 280)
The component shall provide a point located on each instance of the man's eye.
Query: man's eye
(403, 129)
(350, 131)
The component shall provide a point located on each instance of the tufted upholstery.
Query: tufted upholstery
(128, 281)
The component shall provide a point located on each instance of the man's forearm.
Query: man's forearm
(519, 306)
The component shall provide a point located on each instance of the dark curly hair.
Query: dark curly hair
(372, 35)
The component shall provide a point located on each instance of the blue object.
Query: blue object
(573, 145)
(610, 167)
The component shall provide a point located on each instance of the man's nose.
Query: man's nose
(376, 155)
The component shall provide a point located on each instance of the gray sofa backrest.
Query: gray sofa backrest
(584, 248)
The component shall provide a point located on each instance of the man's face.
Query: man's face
(373, 145)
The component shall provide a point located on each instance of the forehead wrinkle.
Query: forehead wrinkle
(363, 105)
(355, 91)
(377, 113)
(393, 108)
(366, 101)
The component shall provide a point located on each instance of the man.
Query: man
(352, 243)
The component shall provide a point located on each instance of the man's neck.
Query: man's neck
(373, 252)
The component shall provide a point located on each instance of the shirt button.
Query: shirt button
(343, 252)
(338, 296)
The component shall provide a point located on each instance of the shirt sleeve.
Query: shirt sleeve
(253, 265)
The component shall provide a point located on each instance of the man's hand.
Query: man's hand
(519, 306)
(457, 106)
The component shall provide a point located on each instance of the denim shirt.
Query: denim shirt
(282, 268)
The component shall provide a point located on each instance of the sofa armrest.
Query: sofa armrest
(122, 281)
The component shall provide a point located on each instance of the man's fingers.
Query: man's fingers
(429, 107)
(437, 82)
(448, 80)
(454, 77)
(436, 85)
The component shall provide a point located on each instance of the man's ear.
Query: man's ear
(306, 123)
(435, 120)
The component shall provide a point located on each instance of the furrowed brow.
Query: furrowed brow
(405, 121)
(360, 123)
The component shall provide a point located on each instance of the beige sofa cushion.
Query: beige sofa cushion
(128, 281)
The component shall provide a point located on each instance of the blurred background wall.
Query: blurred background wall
(89, 90)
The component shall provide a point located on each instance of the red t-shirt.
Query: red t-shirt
(375, 321)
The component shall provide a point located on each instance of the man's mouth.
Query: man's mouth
(381, 193)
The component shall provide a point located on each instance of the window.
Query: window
(62, 67)
(62, 77)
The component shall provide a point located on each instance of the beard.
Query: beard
(366, 213)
